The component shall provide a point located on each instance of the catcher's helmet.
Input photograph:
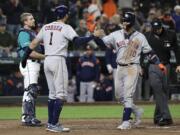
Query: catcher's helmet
(61, 11)
(128, 17)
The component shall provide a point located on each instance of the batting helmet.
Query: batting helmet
(128, 17)
(61, 11)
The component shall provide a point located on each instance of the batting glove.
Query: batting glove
(109, 68)
(163, 68)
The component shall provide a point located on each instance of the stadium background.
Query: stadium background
(42, 10)
(88, 119)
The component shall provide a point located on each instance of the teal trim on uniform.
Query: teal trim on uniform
(24, 40)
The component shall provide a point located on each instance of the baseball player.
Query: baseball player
(128, 43)
(89, 72)
(56, 36)
(30, 72)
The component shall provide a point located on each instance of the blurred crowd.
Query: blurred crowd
(84, 16)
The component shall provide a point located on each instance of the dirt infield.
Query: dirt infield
(90, 127)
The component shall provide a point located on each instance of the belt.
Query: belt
(57, 56)
(164, 63)
(123, 65)
(33, 60)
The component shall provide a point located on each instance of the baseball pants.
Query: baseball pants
(86, 87)
(127, 77)
(159, 84)
(57, 76)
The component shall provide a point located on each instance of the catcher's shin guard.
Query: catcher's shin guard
(28, 107)
(28, 111)
(33, 90)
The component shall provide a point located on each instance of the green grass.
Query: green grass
(78, 112)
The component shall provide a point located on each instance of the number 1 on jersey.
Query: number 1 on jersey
(51, 35)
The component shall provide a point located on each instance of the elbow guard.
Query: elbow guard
(153, 58)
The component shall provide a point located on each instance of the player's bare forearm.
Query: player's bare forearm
(37, 55)
(178, 69)
(34, 43)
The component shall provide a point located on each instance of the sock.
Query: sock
(50, 110)
(127, 114)
(58, 104)
(134, 108)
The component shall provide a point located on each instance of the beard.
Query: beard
(158, 33)
(127, 27)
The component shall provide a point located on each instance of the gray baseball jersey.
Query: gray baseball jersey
(128, 50)
(56, 36)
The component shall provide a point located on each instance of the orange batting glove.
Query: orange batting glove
(163, 68)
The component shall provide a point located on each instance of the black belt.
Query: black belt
(33, 60)
(121, 64)
(57, 55)
(164, 63)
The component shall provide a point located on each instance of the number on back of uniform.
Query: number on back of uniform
(51, 36)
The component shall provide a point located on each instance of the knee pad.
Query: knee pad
(33, 90)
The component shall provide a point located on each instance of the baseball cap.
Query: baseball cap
(85, 10)
(89, 47)
(92, 9)
(152, 12)
(157, 24)
(177, 7)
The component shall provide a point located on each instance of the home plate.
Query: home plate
(159, 127)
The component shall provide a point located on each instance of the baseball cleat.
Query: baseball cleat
(165, 122)
(30, 121)
(31, 124)
(48, 126)
(124, 126)
(57, 128)
(34, 120)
